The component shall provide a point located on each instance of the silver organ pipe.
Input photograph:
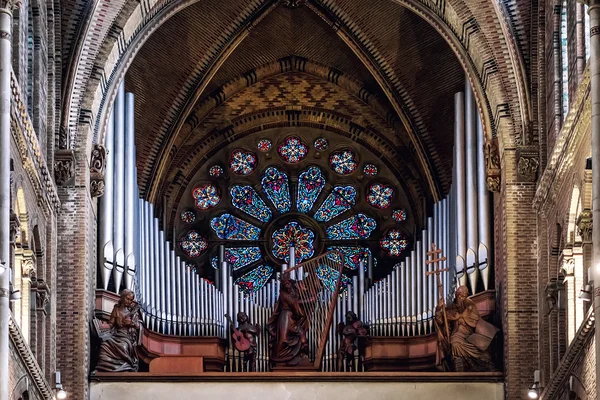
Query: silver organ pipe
(471, 185)
(484, 217)
(129, 192)
(459, 181)
(105, 212)
(419, 286)
(119, 186)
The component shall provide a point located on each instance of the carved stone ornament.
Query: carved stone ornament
(42, 296)
(585, 225)
(492, 165)
(97, 168)
(527, 168)
(64, 167)
(10, 4)
(293, 3)
(15, 225)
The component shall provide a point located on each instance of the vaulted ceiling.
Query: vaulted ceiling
(388, 75)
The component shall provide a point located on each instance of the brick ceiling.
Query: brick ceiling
(175, 69)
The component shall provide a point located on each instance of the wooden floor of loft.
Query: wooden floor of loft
(301, 377)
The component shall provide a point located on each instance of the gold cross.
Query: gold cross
(433, 253)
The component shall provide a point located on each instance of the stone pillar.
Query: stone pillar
(5, 96)
(594, 12)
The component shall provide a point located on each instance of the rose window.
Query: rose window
(306, 200)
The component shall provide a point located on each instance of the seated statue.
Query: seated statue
(117, 351)
(244, 339)
(288, 327)
(351, 332)
(467, 349)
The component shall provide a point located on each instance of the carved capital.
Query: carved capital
(42, 296)
(492, 165)
(527, 166)
(97, 169)
(10, 4)
(64, 167)
(585, 225)
(15, 225)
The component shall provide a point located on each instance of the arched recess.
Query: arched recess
(494, 106)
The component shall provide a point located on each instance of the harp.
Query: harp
(318, 283)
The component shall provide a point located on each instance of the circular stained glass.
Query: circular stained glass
(370, 169)
(297, 234)
(343, 162)
(321, 144)
(380, 195)
(188, 216)
(206, 196)
(215, 171)
(242, 162)
(264, 145)
(292, 150)
(394, 242)
(193, 245)
(399, 215)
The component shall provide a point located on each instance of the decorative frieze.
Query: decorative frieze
(97, 169)
(527, 167)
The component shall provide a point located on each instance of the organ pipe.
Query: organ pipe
(119, 188)
(471, 118)
(130, 196)
(483, 208)
(459, 181)
(105, 212)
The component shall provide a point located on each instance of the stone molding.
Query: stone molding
(26, 355)
(97, 169)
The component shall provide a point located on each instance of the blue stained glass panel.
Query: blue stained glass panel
(352, 256)
(246, 199)
(338, 201)
(311, 183)
(357, 227)
(229, 227)
(238, 257)
(193, 244)
(329, 277)
(255, 279)
(297, 234)
(275, 185)
(394, 242)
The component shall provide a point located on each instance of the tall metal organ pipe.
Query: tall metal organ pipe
(471, 118)
(484, 220)
(105, 209)
(130, 195)
(119, 189)
(459, 182)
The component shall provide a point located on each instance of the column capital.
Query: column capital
(10, 4)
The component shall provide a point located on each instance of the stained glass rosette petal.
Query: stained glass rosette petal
(341, 199)
(329, 277)
(242, 162)
(238, 257)
(215, 171)
(246, 199)
(394, 243)
(255, 279)
(352, 256)
(264, 145)
(292, 150)
(380, 195)
(399, 215)
(370, 169)
(193, 244)
(356, 227)
(275, 186)
(206, 196)
(229, 227)
(343, 162)
(293, 233)
(188, 217)
(321, 144)
(310, 185)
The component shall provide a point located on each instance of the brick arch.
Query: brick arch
(499, 81)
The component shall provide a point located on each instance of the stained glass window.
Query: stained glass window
(321, 144)
(264, 145)
(394, 242)
(380, 195)
(255, 279)
(343, 162)
(338, 201)
(215, 171)
(399, 215)
(329, 277)
(206, 196)
(193, 245)
(188, 216)
(310, 184)
(229, 227)
(357, 227)
(370, 169)
(238, 257)
(352, 256)
(246, 199)
(292, 150)
(275, 186)
(297, 234)
(242, 162)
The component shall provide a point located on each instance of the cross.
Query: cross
(437, 271)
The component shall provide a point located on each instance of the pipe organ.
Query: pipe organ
(175, 300)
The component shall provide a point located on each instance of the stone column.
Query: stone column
(5, 95)
(594, 12)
